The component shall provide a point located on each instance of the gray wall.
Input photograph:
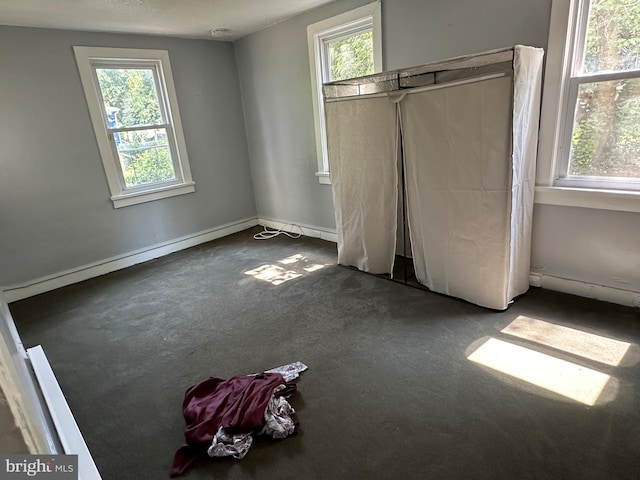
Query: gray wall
(600, 247)
(595, 246)
(276, 84)
(55, 212)
(421, 31)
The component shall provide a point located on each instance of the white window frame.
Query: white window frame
(566, 39)
(88, 59)
(362, 19)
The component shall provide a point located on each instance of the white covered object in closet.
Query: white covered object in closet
(469, 131)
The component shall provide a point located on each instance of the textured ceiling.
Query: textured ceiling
(180, 18)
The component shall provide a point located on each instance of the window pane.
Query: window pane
(129, 96)
(613, 36)
(351, 57)
(606, 132)
(145, 156)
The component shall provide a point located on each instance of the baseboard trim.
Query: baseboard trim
(85, 272)
(306, 230)
(574, 287)
(535, 279)
(583, 289)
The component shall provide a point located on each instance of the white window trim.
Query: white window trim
(369, 15)
(121, 196)
(588, 193)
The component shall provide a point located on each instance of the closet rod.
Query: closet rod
(426, 88)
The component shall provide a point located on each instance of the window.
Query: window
(134, 111)
(345, 46)
(592, 142)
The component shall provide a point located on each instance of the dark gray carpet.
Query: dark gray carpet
(389, 392)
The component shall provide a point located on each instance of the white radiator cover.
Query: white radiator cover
(40, 412)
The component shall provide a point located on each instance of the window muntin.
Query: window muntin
(601, 135)
(134, 111)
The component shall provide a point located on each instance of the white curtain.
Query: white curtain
(362, 144)
(527, 73)
(457, 145)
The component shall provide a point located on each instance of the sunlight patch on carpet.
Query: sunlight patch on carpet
(295, 266)
(588, 345)
(565, 378)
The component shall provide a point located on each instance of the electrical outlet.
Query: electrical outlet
(636, 301)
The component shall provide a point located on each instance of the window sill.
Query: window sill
(127, 199)
(323, 178)
(623, 201)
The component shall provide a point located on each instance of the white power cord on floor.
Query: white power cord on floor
(266, 234)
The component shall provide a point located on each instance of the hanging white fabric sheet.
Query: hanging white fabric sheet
(362, 142)
(457, 143)
(470, 161)
(527, 86)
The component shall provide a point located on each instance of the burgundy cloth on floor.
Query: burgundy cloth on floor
(237, 405)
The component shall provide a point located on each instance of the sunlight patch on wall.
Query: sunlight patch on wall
(295, 267)
(587, 345)
(560, 376)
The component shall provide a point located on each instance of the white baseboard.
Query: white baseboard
(61, 279)
(78, 274)
(535, 279)
(584, 289)
(599, 292)
(306, 230)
